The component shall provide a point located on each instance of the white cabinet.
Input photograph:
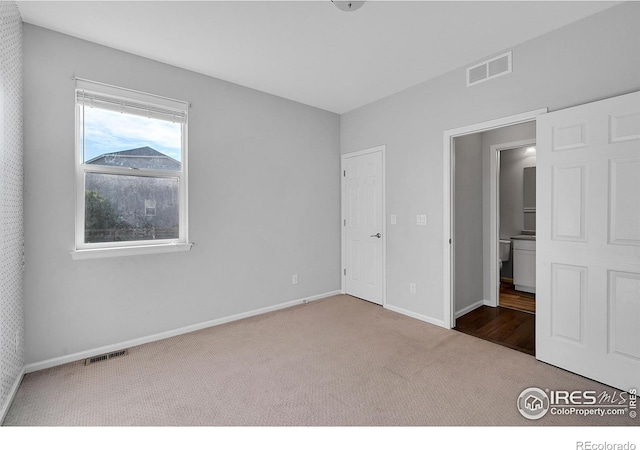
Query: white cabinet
(524, 265)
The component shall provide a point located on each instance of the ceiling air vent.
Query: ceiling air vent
(492, 68)
(104, 357)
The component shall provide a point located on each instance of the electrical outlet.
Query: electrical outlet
(393, 219)
(294, 279)
(412, 288)
(421, 219)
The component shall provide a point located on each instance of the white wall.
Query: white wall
(264, 199)
(468, 232)
(11, 211)
(589, 60)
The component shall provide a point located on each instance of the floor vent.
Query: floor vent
(492, 68)
(104, 357)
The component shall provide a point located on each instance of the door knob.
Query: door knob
(376, 235)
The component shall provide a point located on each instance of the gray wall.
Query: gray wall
(468, 232)
(11, 211)
(264, 202)
(586, 61)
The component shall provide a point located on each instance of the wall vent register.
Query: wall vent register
(105, 357)
(492, 68)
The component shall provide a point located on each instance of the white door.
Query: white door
(363, 225)
(588, 240)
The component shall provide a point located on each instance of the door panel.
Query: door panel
(569, 202)
(624, 225)
(588, 240)
(363, 224)
(568, 295)
(624, 312)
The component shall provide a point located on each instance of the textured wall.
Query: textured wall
(11, 239)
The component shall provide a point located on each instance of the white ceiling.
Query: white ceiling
(310, 51)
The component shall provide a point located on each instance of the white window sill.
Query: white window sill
(129, 251)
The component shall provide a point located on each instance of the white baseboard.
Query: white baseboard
(12, 394)
(415, 315)
(470, 308)
(530, 290)
(32, 367)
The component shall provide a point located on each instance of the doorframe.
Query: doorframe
(494, 219)
(379, 149)
(448, 199)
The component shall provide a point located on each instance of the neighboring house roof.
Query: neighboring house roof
(142, 158)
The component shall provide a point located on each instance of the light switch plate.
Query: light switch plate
(393, 219)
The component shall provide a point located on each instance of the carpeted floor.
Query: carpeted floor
(337, 361)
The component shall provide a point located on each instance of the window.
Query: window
(150, 207)
(131, 172)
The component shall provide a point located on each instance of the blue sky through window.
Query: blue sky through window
(111, 131)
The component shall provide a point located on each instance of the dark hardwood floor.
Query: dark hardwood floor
(504, 326)
(510, 298)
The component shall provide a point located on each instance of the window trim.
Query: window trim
(85, 250)
(130, 251)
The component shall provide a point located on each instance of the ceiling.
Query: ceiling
(310, 51)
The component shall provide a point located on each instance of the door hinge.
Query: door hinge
(344, 173)
(449, 240)
(345, 271)
(345, 222)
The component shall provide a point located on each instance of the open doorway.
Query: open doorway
(478, 278)
(516, 179)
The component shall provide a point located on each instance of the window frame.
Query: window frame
(84, 250)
